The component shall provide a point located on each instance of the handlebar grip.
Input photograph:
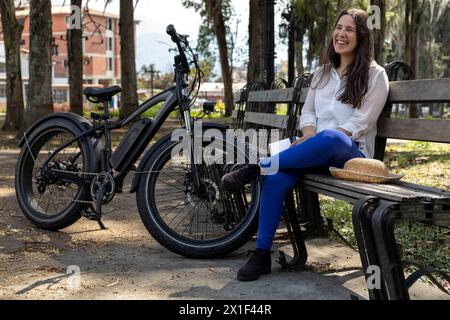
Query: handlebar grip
(173, 33)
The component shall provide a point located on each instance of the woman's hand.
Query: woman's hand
(302, 139)
(348, 133)
(308, 132)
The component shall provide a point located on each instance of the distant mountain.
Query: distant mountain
(150, 48)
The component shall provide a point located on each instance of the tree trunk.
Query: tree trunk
(39, 95)
(255, 72)
(412, 24)
(128, 61)
(12, 32)
(220, 33)
(75, 50)
(379, 34)
(269, 53)
(299, 53)
(413, 20)
(339, 6)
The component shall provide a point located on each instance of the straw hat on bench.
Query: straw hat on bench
(365, 170)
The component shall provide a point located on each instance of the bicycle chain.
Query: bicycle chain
(75, 173)
(95, 174)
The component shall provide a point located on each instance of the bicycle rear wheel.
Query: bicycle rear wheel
(47, 202)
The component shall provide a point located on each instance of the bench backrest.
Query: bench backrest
(411, 91)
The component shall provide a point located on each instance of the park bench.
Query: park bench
(376, 207)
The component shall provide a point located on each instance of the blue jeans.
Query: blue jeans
(329, 148)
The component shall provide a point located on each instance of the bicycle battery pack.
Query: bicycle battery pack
(130, 145)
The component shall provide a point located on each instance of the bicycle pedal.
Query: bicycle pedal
(93, 216)
(90, 215)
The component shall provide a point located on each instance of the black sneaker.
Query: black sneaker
(259, 264)
(236, 180)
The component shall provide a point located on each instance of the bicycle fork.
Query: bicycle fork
(191, 148)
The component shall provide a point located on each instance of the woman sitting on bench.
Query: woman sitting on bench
(338, 122)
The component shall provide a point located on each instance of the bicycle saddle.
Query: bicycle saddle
(101, 94)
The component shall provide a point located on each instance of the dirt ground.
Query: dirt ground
(125, 262)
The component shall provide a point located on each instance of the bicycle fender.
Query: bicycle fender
(96, 145)
(149, 153)
(76, 119)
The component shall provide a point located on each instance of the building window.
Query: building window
(110, 64)
(2, 91)
(110, 44)
(59, 95)
(110, 24)
(2, 67)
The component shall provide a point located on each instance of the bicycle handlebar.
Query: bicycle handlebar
(177, 40)
(173, 33)
(183, 69)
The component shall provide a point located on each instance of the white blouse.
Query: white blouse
(323, 110)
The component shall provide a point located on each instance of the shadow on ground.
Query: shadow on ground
(124, 262)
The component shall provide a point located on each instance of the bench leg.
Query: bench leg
(295, 235)
(383, 222)
(361, 218)
(310, 210)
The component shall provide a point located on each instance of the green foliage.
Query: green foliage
(340, 213)
(315, 20)
(160, 81)
(425, 244)
(206, 43)
(207, 65)
(420, 146)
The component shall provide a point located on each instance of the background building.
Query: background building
(24, 67)
(101, 51)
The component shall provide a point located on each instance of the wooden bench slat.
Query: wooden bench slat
(443, 192)
(267, 119)
(365, 191)
(437, 130)
(396, 192)
(400, 187)
(326, 192)
(334, 190)
(277, 96)
(412, 91)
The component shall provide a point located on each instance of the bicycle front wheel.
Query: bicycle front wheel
(205, 222)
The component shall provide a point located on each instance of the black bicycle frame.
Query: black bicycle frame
(170, 99)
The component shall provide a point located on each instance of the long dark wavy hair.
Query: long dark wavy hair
(357, 74)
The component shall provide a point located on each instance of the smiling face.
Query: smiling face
(345, 36)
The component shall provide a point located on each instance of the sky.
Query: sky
(152, 42)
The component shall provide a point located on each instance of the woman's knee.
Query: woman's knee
(335, 138)
(279, 182)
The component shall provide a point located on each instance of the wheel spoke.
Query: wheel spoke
(56, 196)
(206, 213)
